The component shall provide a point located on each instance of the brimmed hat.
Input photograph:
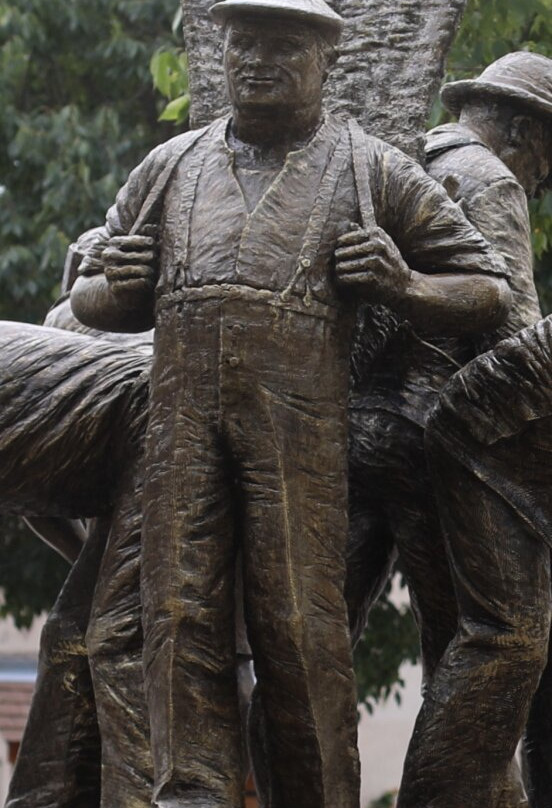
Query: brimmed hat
(309, 11)
(521, 77)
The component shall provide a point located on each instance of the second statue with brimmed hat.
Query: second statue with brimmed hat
(274, 223)
(479, 690)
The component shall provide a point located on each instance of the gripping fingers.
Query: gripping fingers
(112, 256)
(120, 274)
(353, 237)
(132, 243)
(362, 279)
(367, 248)
(358, 235)
(366, 264)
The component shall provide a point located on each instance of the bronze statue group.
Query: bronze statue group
(246, 488)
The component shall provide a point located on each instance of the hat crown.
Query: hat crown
(314, 11)
(521, 77)
(529, 72)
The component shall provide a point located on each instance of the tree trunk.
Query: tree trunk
(391, 64)
(203, 42)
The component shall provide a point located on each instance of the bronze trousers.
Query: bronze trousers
(72, 417)
(246, 446)
(479, 700)
(393, 509)
(58, 764)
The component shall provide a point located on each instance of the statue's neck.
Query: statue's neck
(269, 136)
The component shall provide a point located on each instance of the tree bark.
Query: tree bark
(391, 63)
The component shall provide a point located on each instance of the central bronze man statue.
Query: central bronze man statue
(273, 224)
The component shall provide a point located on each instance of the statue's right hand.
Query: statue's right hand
(130, 267)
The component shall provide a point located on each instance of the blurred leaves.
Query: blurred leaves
(31, 574)
(77, 111)
(385, 801)
(390, 639)
(170, 76)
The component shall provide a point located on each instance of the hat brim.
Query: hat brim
(225, 10)
(455, 94)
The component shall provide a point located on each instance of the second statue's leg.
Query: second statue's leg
(63, 768)
(114, 640)
(476, 707)
(537, 743)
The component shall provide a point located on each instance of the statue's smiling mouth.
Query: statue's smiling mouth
(255, 79)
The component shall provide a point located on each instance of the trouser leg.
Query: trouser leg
(188, 575)
(537, 742)
(291, 466)
(293, 473)
(370, 554)
(114, 641)
(392, 505)
(58, 764)
(415, 525)
(476, 707)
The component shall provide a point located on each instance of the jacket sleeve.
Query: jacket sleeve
(500, 213)
(497, 394)
(123, 215)
(429, 229)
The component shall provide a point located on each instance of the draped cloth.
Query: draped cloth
(64, 400)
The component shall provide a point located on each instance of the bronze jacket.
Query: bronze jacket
(286, 243)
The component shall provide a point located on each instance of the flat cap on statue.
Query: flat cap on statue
(314, 11)
(520, 77)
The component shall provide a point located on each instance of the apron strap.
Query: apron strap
(360, 171)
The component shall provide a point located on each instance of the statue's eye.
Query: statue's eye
(242, 42)
(286, 46)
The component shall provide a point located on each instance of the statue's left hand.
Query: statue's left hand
(130, 267)
(368, 261)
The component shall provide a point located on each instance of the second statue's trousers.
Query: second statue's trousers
(246, 447)
(479, 699)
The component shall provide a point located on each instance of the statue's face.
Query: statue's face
(529, 155)
(273, 64)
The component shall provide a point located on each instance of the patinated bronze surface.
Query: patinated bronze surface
(246, 434)
(248, 451)
(390, 64)
(489, 444)
(56, 377)
(392, 502)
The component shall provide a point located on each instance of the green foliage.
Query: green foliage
(385, 801)
(491, 29)
(390, 639)
(77, 111)
(169, 69)
(170, 76)
(31, 574)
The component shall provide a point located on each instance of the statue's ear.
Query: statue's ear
(330, 54)
(521, 130)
